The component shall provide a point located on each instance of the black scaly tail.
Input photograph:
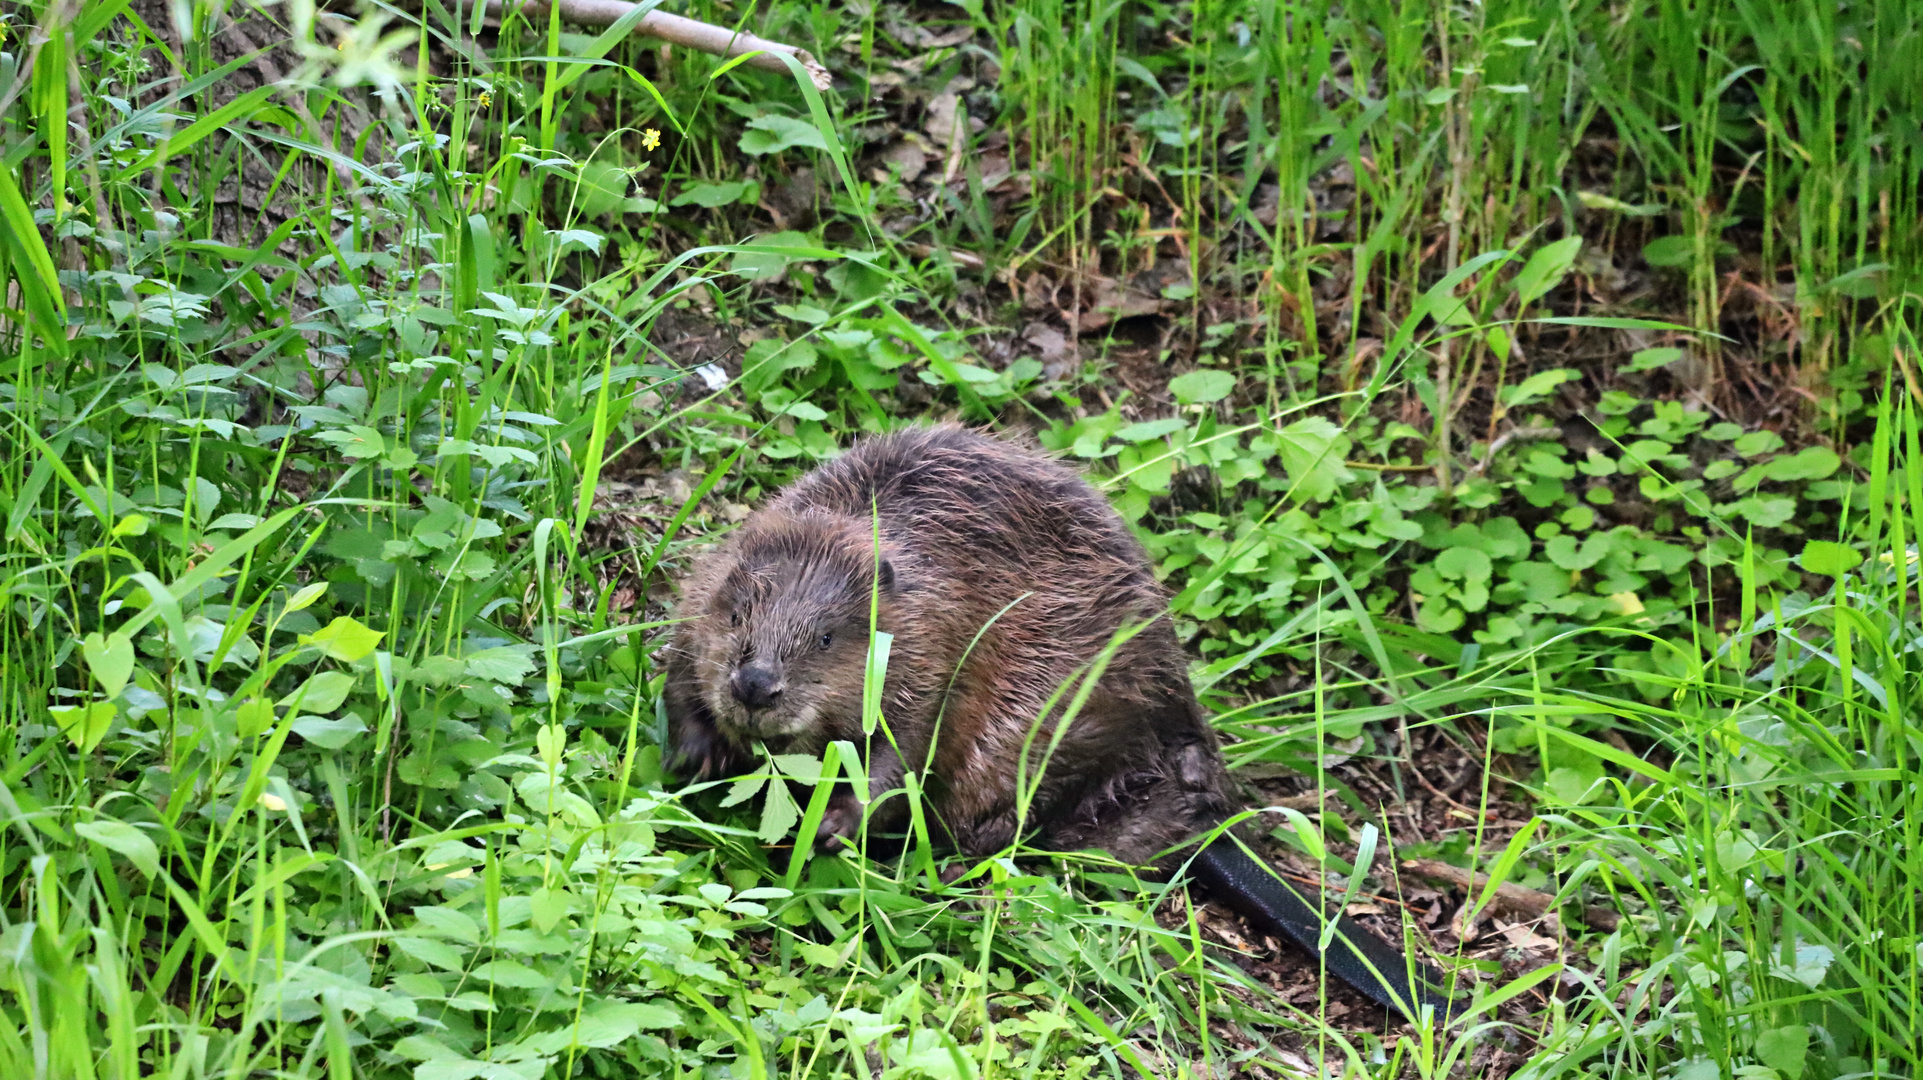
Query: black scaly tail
(1360, 958)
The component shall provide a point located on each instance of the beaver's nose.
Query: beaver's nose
(756, 687)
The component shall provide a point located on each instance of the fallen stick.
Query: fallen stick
(676, 30)
(1510, 899)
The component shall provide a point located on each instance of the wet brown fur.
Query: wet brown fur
(967, 525)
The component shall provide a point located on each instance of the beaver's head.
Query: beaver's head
(785, 634)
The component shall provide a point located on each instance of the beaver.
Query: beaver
(1007, 582)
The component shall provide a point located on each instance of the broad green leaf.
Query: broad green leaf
(550, 741)
(329, 734)
(321, 693)
(252, 717)
(110, 658)
(85, 725)
(1812, 963)
(1670, 251)
(1785, 1049)
(503, 664)
(613, 1022)
(548, 906)
(118, 836)
(510, 973)
(1536, 386)
(1438, 616)
(448, 922)
(357, 441)
(1829, 558)
(1810, 463)
(1546, 269)
(1766, 513)
(713, 195)
(1312, 450)
(1202, 386)
(1150, 429)
(344, 639)
(774, 133)
(1464, 564)
(429, 951)
(1651, 359)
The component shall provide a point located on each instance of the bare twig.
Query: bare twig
(676, 30)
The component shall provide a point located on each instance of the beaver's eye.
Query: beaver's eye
(827, 640)
(734, 617)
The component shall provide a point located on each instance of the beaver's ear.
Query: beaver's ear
(885, 576)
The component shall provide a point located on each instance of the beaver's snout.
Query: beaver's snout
(756, 687)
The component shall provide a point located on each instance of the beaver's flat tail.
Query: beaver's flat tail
(1281, 908)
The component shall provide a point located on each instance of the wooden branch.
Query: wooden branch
(675, 30)
(1510, 899)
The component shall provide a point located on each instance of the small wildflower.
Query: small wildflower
(487, 98)
(650, 139)
(272, 801)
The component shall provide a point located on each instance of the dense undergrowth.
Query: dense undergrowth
(1520, 399)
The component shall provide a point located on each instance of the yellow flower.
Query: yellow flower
(650, 139)
(487, 98)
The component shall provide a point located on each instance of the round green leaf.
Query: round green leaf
(1829, 557)
(1201, 387)
(1464, 564)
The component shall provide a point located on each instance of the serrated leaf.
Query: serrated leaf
(110, 659)
(344, 639)
(1311, 451)
(124, 839)
(458, 925)
(742, 790)
(778, 813)
(431, 952)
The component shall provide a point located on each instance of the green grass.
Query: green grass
(1537, 381)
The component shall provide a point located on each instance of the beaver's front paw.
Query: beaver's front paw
(840, 821)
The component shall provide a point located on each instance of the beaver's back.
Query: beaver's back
(1016, 563)
(994, 505)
